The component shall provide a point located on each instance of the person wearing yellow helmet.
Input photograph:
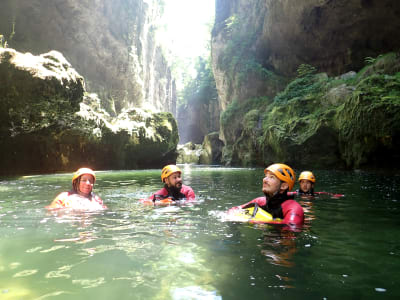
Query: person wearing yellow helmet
(81, 196)
(173, 189)
(278, 180)
(306, 182)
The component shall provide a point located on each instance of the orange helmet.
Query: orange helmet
(168, 170)
(82, 171)
(307, 175)
(283, 172)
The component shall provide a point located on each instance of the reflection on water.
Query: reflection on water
(347, 248)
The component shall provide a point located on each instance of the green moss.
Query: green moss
(307, 87)
(236, 110)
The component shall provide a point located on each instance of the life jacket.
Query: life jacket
(65, 199)
(185, 192)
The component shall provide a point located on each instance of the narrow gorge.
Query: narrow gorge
(314, 84)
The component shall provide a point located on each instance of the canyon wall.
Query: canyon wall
(110, 43)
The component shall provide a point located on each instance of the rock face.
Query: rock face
(320, 121)
(189, 153)
(49, 123)
(111, 43)
(196, 120)
(267, 116)
(212, 150)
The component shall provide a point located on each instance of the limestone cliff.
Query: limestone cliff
(110, 43)
(277, 64)
(49, 123)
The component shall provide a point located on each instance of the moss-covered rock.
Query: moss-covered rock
(369, 123)
(212, 149)
(319, 121)
(49, 123)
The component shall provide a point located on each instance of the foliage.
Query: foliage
(370, 60)
(380, 87)
(305, 70)
(306, 86)
(236, 110)
(238, 56)
(202, 88)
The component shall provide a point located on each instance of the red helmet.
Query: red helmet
(283, 172)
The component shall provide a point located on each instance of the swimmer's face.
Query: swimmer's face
(174, 180)
(306, 185)
(272, 184)
(86, 184)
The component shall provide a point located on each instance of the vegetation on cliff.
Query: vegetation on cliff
(319, 121)
(49, 123)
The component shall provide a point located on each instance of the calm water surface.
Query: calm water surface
(348, 249)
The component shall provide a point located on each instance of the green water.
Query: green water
(348, 249)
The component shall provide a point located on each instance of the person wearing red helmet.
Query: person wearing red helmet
(279, 179)
(173, 189)
(81, 196)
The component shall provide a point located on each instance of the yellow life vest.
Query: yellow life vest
(255, 214)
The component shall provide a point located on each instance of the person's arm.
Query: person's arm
(261, 201)
(59, 202)
(156, 197)
(189, 194)
(293, 213)
(98, 200)
(330, 194)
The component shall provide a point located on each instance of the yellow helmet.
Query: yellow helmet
(307, 175)
(283, 172)
(82, 171)
(168, 170)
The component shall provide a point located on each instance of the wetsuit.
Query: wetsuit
(280, 206)
(186, 192)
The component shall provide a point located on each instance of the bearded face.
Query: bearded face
(174, 181)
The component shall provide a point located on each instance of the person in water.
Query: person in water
(306, 182)
(81, 196)
(278, 180)
(173, 188)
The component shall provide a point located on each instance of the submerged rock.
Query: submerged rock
(48, 122)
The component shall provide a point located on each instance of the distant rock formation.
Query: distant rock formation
(48, 122)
